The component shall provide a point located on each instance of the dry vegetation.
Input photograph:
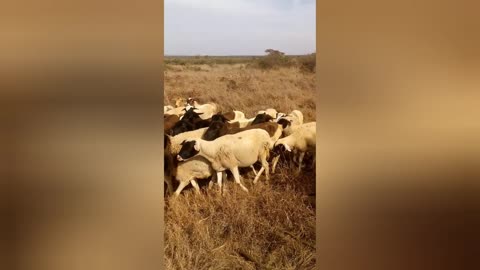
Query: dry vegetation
(273, 226)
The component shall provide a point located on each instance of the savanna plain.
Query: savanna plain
(273, 225)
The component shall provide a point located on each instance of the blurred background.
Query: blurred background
(398, 107)
(81, 97)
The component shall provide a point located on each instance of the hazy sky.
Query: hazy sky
(239, 27)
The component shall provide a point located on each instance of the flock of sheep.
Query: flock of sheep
(201, 142)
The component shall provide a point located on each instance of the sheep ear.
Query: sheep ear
(196, 146)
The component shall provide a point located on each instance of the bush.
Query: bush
(308, 63)
(273, 60)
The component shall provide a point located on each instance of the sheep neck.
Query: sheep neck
(208, 150)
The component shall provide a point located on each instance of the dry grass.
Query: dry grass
(272, 226)
(236, 87)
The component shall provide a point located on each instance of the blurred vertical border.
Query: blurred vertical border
(81, 107)
(399, 136)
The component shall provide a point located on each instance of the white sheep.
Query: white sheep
(175, 141)
(234, 116)
(172, 148)
(272, 112)
(279, 116)
(189, 171)
(186, 172)
(303, 139)
(180, 111)
(295, 116)
(230, 152)
(207, 110)
(262, 118)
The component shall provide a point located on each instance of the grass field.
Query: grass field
(271, 227)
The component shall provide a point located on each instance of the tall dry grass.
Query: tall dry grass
(236, 87)
(272, 226)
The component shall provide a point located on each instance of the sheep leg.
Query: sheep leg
(300, 159)
(267, 168)
(236, 175)
(168, 174)
(294, 155)
(219, 181)
(210, 184)
(181, 186)
(293, 158)
(274, 163)
(258, 175)
(168, 180)
(195, 185)
(263, 160)
(253, 169)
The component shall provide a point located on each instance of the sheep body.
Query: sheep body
(295, 117)
(207, 109)
(190, 171)
(178, 139)
(234, 116)
(171, 148)
(303, 139)
(230, 152)
(170, 121)
(179, 111)
(270, 111)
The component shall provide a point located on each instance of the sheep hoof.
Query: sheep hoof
(243, 187)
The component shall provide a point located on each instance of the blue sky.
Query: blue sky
(239, 27)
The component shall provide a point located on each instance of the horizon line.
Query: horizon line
(229, 55)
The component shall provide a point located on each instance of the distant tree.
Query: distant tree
(274, 52)
(273, 60)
